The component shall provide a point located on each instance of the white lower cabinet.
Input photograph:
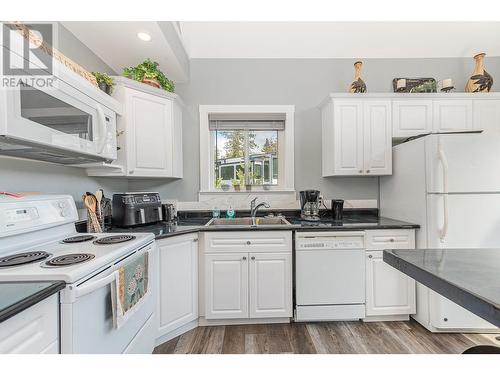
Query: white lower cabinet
(270, 285)
(32, 331)
(178, 277)
(241, 283)
(388, 291)
(226, 281)
(390, 294)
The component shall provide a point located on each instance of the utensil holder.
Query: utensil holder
(90, 225)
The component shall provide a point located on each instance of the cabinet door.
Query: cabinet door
(32, 331)
(487, 115)
(452, 115)
(149, 135)
(348, 137)
(178, 291)
(377, 136)
(270, 285)
(226, 286)
(388, 291)
(177, 156)
(411, 117)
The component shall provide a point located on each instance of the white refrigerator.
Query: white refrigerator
(450, 185)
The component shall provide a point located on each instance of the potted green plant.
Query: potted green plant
(104, 82)
(236, 185)
(147, 72)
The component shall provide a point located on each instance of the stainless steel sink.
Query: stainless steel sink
(247, 221)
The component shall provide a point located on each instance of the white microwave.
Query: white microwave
(68, 122)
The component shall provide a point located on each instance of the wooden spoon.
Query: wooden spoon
(91, 204)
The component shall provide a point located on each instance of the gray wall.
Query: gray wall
(304, 83)
(73, 48)
(26, 175)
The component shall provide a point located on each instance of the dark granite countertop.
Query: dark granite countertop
(197, 224)
(468, 277)
(18, 296)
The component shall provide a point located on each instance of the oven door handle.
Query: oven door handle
(90, 287)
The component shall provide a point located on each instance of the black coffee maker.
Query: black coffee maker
(309, 205)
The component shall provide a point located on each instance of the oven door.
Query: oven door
(60, 117)
(87, 318)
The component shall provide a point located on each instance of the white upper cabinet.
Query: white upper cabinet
(357, 129)
(356, 137)
(347, 137)
(452, 115)
(411, 117)
(149, 133)
(377, 137)
(486, 115)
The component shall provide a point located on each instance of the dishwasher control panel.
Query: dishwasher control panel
(330, 243)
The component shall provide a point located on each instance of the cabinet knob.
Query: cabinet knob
(249, 243)
(367, 171)
(360, 171)
(195, 240)
(253, 258)
(391, 240)
(131, 171)
(244, 258)
(370, 256)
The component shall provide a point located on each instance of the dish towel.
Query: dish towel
(129, 290)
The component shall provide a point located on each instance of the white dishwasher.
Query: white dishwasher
(329, 276)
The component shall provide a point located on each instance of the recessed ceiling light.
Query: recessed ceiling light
(144, 36)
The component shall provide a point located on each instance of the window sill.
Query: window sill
(244, 191)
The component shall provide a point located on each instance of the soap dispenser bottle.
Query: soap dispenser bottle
(230, 213)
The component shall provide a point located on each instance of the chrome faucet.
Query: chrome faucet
(254, 208)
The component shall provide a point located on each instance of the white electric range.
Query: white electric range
(38, 241)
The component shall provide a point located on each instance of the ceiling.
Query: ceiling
(339, 39)
(174, 43)
(117, 44)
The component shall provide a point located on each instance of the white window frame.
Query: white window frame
(286, 163)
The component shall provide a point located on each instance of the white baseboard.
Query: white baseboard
(176, 332)
(229, 322)
(387, 318)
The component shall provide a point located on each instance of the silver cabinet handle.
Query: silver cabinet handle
(244, 258)
(253, 258)
(249, 243)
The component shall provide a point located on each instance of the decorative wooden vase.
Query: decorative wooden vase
(480, 81)
(358, 85)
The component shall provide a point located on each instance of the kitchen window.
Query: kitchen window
(246, 145)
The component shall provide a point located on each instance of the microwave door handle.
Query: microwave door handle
(91, 287)
(103, 129)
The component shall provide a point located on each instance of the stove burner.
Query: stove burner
(110, 240)
(76, 239)
(23, 258)
(69, 259)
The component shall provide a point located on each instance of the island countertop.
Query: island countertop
(468, 277)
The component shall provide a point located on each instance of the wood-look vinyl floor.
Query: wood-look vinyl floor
(324, 338)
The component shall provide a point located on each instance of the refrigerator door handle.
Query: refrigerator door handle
(444, 162)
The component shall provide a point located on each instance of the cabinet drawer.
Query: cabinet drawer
(248, 241)
(390, 239)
